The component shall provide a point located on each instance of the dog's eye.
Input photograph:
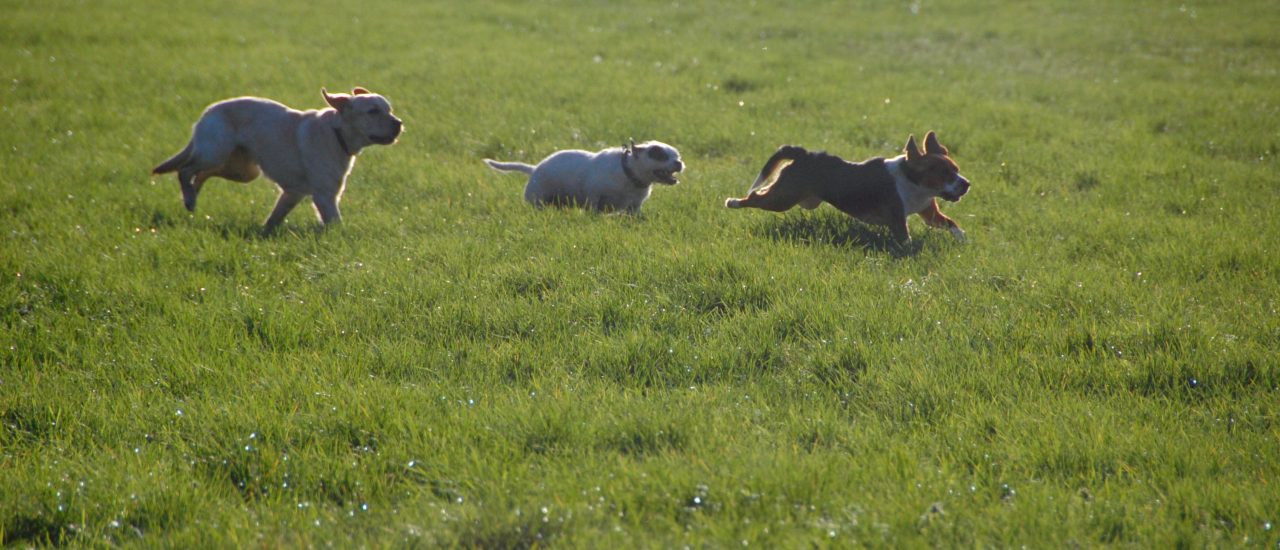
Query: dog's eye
(657, 154)
(374, 110)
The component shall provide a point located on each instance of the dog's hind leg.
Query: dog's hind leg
(213, 153)
(239, 166)
(188, 175)
(284, 204)
(777, 197)
(190, 181)
(810, 203)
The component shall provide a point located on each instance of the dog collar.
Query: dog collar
(342, 142)
(631, 176)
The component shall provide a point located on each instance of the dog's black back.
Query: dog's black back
(859, 189)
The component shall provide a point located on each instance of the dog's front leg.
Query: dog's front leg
(327, 208)
(933, 217)
(898, 227)
(284, 204)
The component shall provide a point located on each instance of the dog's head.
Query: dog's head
(655, 161)
(366, 114)
(934, 169)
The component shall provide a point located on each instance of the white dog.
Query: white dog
(618, 178)
(307, 153)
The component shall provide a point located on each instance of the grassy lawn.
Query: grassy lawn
(451, 367)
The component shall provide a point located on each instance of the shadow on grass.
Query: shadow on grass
(833, 229)
(251, 230)
(37, 530)
(520, 533)
(572, 205)
(244, 229)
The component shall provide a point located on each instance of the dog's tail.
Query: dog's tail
(784, 156)
(510, 166)
(175, 162)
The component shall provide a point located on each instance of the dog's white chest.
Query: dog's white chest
(914, 197)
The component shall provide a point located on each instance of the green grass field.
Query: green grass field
(451, 367)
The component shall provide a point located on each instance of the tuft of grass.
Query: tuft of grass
(452, 367)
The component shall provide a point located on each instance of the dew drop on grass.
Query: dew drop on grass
(1007, 492)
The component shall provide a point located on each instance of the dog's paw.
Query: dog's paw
(959, 234)
(733, 203)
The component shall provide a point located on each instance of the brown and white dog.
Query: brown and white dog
(877, 191)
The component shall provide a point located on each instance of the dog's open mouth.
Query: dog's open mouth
(955, 189)
(953, 197)
(666, 176)
(396, 129)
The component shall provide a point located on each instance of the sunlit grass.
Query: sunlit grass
(454, 368)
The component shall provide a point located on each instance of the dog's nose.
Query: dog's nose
(679, 166)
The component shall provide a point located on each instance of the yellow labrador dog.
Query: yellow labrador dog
(306, 153)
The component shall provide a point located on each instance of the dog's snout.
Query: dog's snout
(959, 187)
(679, 166)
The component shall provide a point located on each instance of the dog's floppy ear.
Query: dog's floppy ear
(931, 145)
(630, 148)
(359, 91)
(912, 151)
(337, 101)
